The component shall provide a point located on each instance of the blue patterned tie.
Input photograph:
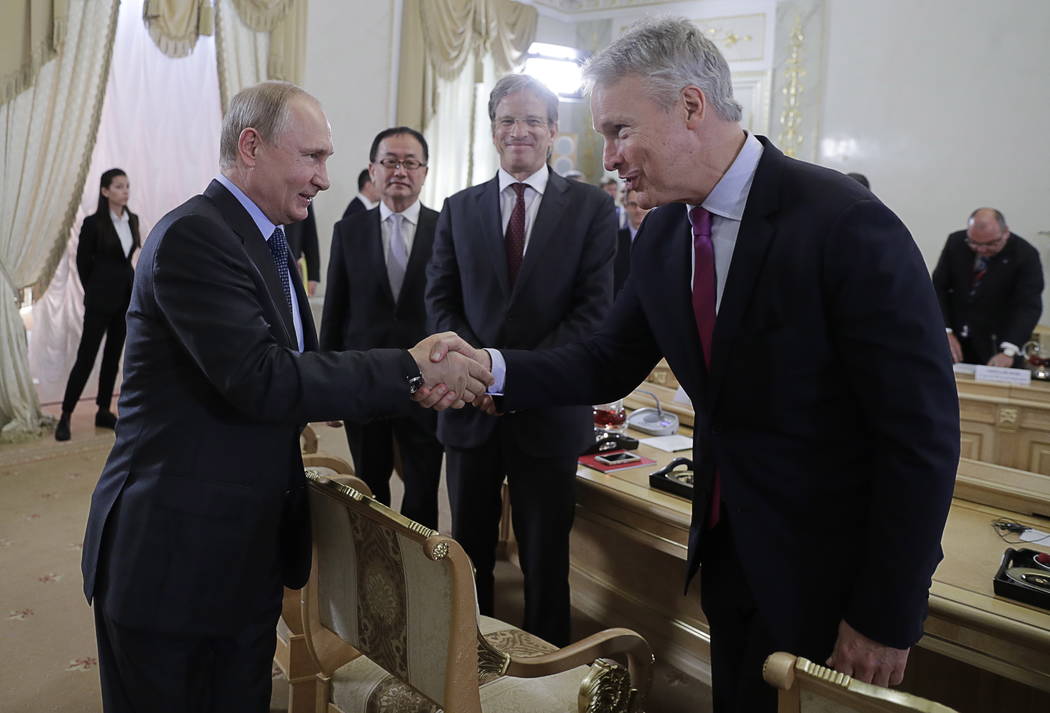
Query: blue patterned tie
(279, 251)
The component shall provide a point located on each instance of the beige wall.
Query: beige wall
(349, 51)
(945, 103)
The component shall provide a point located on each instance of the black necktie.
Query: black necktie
(279, 252)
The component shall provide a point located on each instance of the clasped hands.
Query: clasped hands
(454, 373)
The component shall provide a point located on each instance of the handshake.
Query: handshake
(454, 373)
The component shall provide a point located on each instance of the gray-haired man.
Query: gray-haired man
(199, 515)
(796, 311)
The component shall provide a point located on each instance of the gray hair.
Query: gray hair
(670, 54)
(263, 107)
(520, 82)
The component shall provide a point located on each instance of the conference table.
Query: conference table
(979, 650)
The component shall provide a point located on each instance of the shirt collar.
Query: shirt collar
(538, 180)
(123, 218)
(411, 213)
(258, 217)
(729, 196)
(369, 205)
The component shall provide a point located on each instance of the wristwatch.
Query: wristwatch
(415, 383)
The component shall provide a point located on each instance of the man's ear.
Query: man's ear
(695, 104)
(248, 144)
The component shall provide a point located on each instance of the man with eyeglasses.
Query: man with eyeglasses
(990, 286)
(374, 298)
(523, 260)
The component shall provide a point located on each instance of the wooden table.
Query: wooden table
(628, 565)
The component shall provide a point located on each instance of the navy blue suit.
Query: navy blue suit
(562, 292)
(199, 515)
(830, 410)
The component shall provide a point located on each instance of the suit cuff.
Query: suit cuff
(1009, 349)
(499, 372)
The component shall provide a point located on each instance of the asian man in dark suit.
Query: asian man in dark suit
(522, 261)
(990, 285)
(796, 312)
(200, 515)
(367, 196)
(374, 298)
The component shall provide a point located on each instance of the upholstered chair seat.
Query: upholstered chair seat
(391, 618)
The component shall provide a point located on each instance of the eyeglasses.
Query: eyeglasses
(409, 164)
(986, 244)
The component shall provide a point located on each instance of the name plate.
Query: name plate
(963, 368)
(1002, 375)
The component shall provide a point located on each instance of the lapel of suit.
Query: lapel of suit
(374, 254)
(422, 242)
(491, 230)
(752, 244)
(255, 245)
(668, 235)
(552, 207)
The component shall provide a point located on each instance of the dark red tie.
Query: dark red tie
(515, 237)
(704, 296)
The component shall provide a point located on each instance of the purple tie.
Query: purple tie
(704, 296)
(515, 238)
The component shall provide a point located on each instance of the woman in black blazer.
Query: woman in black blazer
(108, 239)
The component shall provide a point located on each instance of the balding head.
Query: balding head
(987, 232)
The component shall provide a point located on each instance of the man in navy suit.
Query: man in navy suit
(990, 285)
(200, 513)
(376, 276)
(521, 261)
(797, 313)
(367, 195)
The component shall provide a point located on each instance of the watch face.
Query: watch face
(415, 383)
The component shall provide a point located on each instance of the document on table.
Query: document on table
(669, 444)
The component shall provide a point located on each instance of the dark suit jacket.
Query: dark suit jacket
(192, 500)
(830, 411)
(622, 264)
(1007, 304)
(359, 308)
(354, 206)
(562, 293)
(105, 272)
(302, 242)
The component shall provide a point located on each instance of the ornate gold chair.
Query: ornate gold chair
(291, 655)
(391, 617)
(805, 687)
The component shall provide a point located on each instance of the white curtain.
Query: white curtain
(47, 133)
(241, 52)
(160, 123)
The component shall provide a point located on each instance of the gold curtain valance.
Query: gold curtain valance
(31, 33)
(262, 15)
(456, 32)
(175, 25)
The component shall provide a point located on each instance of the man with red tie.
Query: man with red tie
(523, 261)
(796, 311)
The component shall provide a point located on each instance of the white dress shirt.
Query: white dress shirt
(122, 225)
(537, 184)
(410, 217)
(725, 203)
(266, 228)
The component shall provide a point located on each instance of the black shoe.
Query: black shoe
(105, 419)
(62, 429)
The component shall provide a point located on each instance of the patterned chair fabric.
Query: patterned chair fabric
(402, 597)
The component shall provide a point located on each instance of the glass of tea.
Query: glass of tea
(611, 416)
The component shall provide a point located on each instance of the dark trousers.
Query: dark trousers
(150, 672)
(542, 507)
(372, 446)
(97, 323)
(741, 639)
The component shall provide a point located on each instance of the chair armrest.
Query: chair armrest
(610, 642)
